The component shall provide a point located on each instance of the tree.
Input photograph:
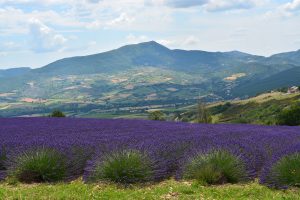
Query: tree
(177, 116)
(203, 115)
(157, 115)
(283, 89)
(57, 113)
(290, 116)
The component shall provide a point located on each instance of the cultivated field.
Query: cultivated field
(146, 154)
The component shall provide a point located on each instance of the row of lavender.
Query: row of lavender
(168, 145)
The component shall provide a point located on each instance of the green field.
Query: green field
(166, 190)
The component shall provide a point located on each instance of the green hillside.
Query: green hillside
(141, 75)
(146, 54)
(13, 72)
(288, 57)
(285, 78)
(262, 109)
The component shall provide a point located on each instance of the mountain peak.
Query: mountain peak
(147, 45)
(238, 53)
(151, 43)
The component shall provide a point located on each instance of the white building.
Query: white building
(293, 90)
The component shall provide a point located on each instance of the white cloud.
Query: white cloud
(92, 44)
(180, 42)
(94, 24)
(166, 42)
(126, 15)
(15, 20)
(8, 46)
(43, 38)
(191, 40)
(185, 3)
(133, 39)
(93, 1)
(185, 24)
(239, 32)
(122, 19)
(221, 5)
(39, 2)
(208, 5)
(284, 10)
(292, 6)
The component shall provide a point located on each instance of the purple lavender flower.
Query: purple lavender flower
(168, 144)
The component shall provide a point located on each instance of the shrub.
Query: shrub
(203, 115)
(286, 172)
(215, 167)
(39, 165)
(220, 108)
(242, 120)
(157, 115)
(57, 113)
(126, 167)
(290, 117)
(283, 89)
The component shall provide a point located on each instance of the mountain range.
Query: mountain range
(141, 75)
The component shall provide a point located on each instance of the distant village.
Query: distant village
(288, 90)
(293, 90)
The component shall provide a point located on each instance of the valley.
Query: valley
(136, 78)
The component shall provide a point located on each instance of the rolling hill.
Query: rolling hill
(9, 73)
(142, 75)
(262, 109)
(284, 78)
(288, 57)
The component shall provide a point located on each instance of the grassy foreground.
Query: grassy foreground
(165, 190)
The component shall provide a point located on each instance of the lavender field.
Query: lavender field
(169, 146)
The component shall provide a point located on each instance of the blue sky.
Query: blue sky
(34, 33)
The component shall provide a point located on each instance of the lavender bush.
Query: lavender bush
(283, 169)
(216, 167)
(168, 145)
(126, 167)
(39, 165)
